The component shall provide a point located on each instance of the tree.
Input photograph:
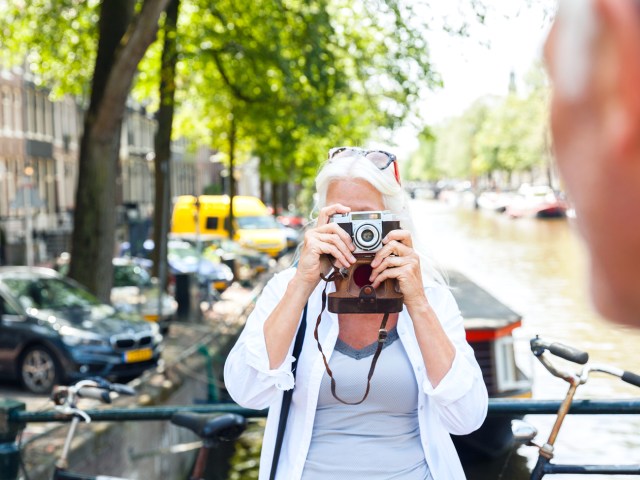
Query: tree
(59, 51)
(494, 135)
(124, 38)
(280, 81)
(167, 90)
(300, 77)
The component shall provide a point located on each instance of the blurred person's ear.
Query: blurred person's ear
(617, 73)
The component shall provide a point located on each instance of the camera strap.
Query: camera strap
(288, 394)
(382, 338)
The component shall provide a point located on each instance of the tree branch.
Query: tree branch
(135, 42)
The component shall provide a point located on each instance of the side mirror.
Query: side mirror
(523, 432)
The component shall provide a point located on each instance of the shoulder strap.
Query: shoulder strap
(286, 398)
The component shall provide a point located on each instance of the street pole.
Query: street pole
(28, 172)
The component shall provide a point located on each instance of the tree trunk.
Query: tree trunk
(121, 45)
(232, 180)
(161, 211)
(275, 195)
(284, 204)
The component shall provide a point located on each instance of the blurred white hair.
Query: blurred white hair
(577, 26)
(395, 199)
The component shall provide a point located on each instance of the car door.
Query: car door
(13, 333)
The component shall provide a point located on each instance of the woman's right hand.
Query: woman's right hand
(326, 245)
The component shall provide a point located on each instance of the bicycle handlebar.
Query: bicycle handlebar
(113, 387)
(538, 346)
(96, 388)
(95, 393)
(630, 377)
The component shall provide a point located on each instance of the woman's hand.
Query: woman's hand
(397, 259)
(325, 245)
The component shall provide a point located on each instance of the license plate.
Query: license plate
(219, 285)
(140, 355)
(151, 318)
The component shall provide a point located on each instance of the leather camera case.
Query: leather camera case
(354, 293)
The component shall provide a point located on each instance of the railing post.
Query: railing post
(212, 390)
(9, 452)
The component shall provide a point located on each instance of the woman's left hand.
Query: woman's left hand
(397, 259)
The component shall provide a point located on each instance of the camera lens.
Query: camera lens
(367, 237)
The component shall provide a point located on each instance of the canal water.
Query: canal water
(538, 268)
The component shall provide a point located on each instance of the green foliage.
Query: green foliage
(56, 41)
(507, 134)
(298, 77)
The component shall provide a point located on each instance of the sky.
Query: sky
(510, 40)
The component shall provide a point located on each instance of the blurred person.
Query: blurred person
(427, 383)
(593, 58)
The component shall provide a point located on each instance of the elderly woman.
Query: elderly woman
(344, 423)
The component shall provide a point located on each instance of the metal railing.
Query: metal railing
(14, 417)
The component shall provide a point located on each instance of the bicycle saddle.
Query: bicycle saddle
(226, 427)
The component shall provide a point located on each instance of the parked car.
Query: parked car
(254, 226)
(135, 291)
(292, 219)
(53, 330)
(184, 258)
(246, 263)
(293, 237)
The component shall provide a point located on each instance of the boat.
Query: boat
(494, 201)
(539, 201)
(489, 326)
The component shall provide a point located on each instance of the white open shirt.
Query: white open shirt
(457, 406)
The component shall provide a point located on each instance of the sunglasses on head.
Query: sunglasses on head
(379, 158)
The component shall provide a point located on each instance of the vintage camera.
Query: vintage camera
(354, 293)
(367, 229)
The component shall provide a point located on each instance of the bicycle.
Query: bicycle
(66, 399)
(212, 431)
(525, 433)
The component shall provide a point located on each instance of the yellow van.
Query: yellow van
(254, 226)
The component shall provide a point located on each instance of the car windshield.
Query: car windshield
(258, 222)
(49, 293)
(130, 276)
(181, 250)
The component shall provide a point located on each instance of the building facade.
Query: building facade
(39, 151)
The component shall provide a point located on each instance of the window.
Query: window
(7, 117)
(39, 104)
(212, 223)
(31, 110)
(508, 377)
(17, 113)
(6, 308)
(48, 117)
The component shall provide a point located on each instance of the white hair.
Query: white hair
(395, 199)
(577, 26)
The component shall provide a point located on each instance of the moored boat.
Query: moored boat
(489, 325)
(536, 201)
(494, 201)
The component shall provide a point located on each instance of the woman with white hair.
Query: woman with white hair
(350, 415)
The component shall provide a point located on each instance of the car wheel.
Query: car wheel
(39, 370)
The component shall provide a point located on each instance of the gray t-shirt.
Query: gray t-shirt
(378, 439)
